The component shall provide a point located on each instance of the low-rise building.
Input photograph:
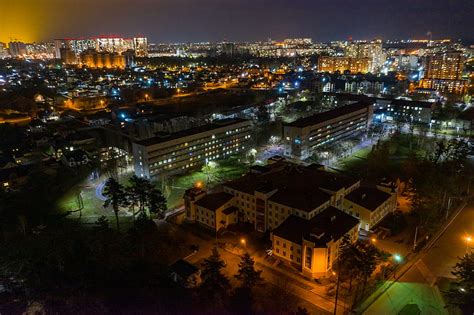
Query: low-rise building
(305, 134)
(370, 205)
(313, 245)
(192, 148)
(185, 274)
(216, 211)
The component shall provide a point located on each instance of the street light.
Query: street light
(469, 241)
(373, 240)
(243, 242)
(397, 258)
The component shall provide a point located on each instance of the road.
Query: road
(419, 284)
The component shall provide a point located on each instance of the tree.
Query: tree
(215, 285)
(116, 197)
(461, 292)
(349, 260)
(142, 193)
(247, 273)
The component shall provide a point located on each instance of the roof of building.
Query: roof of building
(214, 201)
(183, 268)
(330, 224)
(328, 115)
(292, 185)
(368, 197)
(230, 210)
(192, 131)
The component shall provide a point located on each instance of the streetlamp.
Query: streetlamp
(243, 241)
(469, 241)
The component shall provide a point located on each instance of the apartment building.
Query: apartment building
(192, 148)
(342, 64)
(305, 134)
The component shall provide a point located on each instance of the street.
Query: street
(419, 284)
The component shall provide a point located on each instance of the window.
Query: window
(284, 253)
(284, 245)
(278, 242)
(278, 251)
(291, 257)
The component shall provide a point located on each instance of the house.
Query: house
(370, 205)
(185, 274)
(312, 245)
(75, 158)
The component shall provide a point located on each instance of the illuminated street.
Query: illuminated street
(418, 284)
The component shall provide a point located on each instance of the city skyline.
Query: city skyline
(211, 20)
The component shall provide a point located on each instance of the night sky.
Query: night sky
(236, 20)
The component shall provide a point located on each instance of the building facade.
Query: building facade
(305, 134)
(342, 64)
(192, 148)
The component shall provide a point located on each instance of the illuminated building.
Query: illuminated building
(140, 46)
(372, 50)
(4, 51)
(40, 50)
(445, 66)
(313, 245)
(192, 148)
(303, 135)
(108, 44)
(341, 64)
(94, 59)
(306, 209)
(443, 72)
(17, 49)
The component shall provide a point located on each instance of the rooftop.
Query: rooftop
(368, 197)
(331, 114)
(296, 186)
(214, 201)
(330, 224)
(189, 132)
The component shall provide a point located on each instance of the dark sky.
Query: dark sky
(237, 20)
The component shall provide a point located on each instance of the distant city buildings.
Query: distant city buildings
(372, 50)
(101, 52)
(342, 64)
(443, 72)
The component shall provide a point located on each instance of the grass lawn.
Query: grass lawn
(225, 170)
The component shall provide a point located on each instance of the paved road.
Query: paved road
(418, 284)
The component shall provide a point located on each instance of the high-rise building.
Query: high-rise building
(353, 65)
(445, 66)
(372, 50)
(17, 49)
(4, 51)
(140, 45)
(103, 44)
(443, 72)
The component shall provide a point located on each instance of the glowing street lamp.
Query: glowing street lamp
(243, 241)
(397, 258)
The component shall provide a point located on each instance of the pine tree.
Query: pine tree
(215, 285)
(462, 289)
(247, 273)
